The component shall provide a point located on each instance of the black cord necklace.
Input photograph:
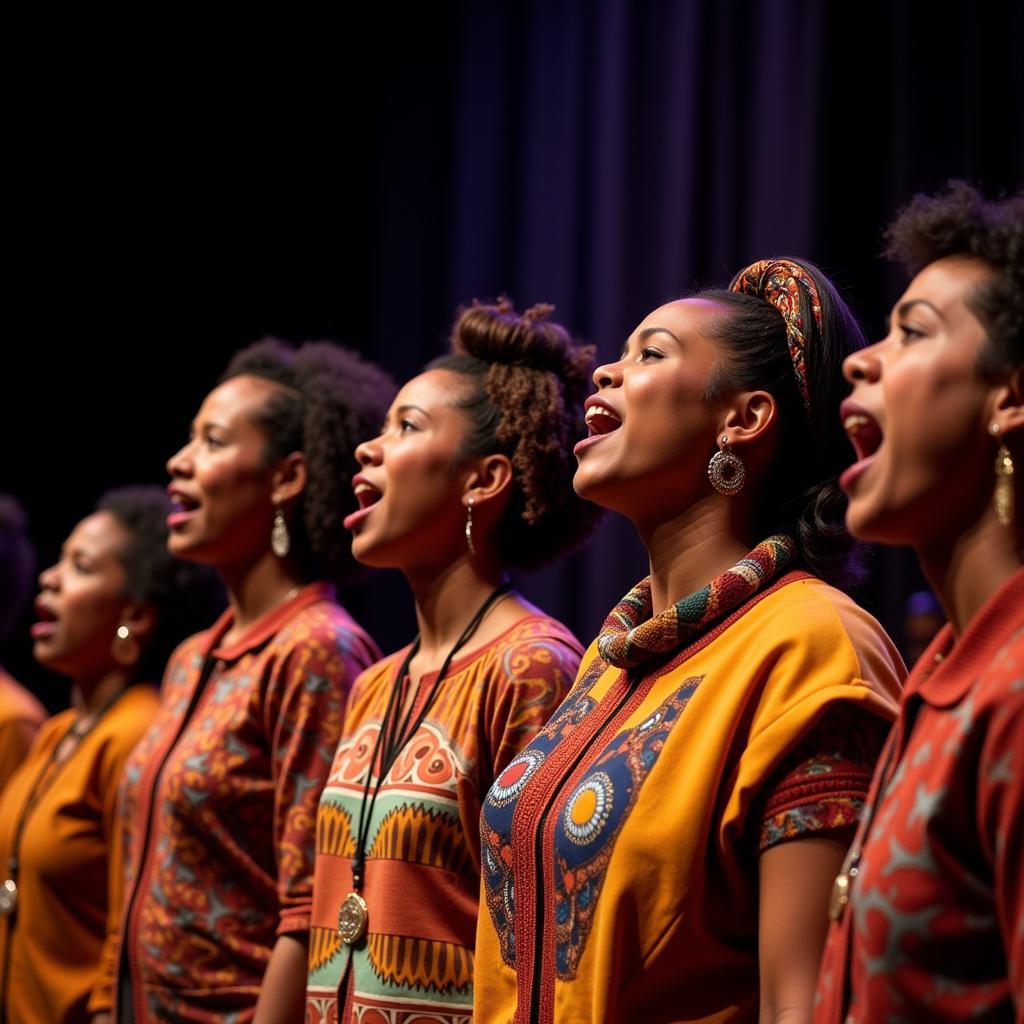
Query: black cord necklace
(395, 733)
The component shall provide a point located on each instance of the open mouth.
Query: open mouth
(182, 507)
(182, 503)
(46, 621)
(602, 420)
(366, 494)
(864, 433)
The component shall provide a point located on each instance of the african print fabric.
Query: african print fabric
(422, 882)
(934, 929)
(620, 847)
(779, 282)
(631, 635)
(220, 802)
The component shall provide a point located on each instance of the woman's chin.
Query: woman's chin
(192, 549)
(587, 484)
(598, 489)
(871, 526)
(370, 553)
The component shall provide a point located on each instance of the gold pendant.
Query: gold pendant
(8, 897)
(352, 918)
(840, 896)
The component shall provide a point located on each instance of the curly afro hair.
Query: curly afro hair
(527, 381)
(800, 494)
(17, 562)
(330, 399)
(960, 221)
(185, 597)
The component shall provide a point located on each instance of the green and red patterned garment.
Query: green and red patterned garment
(423, 863)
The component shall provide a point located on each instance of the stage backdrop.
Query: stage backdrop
(193, 186)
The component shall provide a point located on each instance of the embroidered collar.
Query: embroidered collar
(631, 636)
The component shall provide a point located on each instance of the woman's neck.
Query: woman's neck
(89, 696)
(446, 601)
(966, 570)
(689, 550)
(254, 589)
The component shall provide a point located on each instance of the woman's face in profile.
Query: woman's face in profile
(408, 488)
(221, 481)
(651, 429)
(918, 415)
(81, 598)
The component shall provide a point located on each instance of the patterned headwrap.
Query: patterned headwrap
(630, 636)
(776, 281)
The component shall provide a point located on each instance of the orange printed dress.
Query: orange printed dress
(69, 876)
(20, 717)
(422, 882)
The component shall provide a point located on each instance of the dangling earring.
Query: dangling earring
(1002, 497)
(124, 648)
(726, 470)
(280, 541)
(469, 525)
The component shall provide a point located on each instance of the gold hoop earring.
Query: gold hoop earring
(726, 470)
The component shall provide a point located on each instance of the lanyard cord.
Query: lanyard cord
(394, 735)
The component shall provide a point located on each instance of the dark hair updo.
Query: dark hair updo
(527, 379)
(961, 222)
(800, 494)
(184, 596)
(329, 400)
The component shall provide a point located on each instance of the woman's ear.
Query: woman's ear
(749, 415)
(1008, 405)
(140, 620)
(289, 478)
(488, 478)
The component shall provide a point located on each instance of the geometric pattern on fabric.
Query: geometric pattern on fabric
(591, 819)
(500, 804)
(778, 283)
(422, 872)
(631, 635)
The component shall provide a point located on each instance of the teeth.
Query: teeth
(599, 410)
(362, 488)
(855, 419)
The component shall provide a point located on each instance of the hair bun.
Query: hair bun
(497, 333)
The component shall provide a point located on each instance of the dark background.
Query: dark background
(176, 189)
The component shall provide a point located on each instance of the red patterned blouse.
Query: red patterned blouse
(220, 802)
(934, 928)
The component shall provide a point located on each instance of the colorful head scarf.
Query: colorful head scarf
(777, 281)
